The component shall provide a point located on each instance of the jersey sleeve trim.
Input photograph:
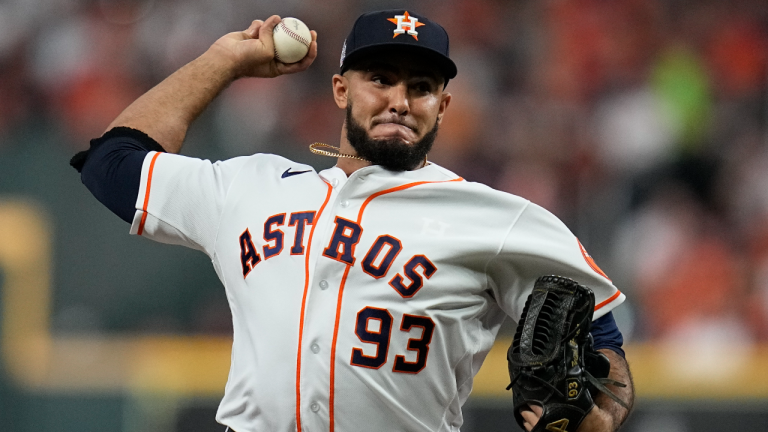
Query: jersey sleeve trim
(617, 296)
(146, 194)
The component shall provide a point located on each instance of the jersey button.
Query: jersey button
(314, 407)
(335, 182)
(315, 348)
(345, 204)
(323, 284)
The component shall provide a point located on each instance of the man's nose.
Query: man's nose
(398, 99)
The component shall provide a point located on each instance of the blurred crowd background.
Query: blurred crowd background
(643, 124)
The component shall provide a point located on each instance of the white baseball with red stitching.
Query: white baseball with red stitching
(292, 39)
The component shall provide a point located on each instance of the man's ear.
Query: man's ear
(445, 100)
(340, 88)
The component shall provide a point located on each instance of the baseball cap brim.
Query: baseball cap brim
(444, 65)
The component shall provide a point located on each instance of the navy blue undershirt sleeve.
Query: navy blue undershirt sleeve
(111, 168)
(607, 335)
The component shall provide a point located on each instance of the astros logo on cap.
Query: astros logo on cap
(406, 23)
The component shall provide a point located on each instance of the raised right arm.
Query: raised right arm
(159, 119)
(166, 111)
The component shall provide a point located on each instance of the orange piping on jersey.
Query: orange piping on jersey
(146, 194)
(303, 304)
(608, 300)
(333, 345)
(395, 189)
(344, 281)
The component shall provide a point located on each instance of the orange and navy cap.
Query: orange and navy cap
(397, 29)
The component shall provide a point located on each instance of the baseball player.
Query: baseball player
(364, 296)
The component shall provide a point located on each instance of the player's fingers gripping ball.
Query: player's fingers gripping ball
(292, 39)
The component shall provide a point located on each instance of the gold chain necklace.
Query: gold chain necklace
(336, 153)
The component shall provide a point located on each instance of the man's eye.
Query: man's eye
(424, 87)
(378, 79)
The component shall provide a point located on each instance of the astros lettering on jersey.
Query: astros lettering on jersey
(366, 302)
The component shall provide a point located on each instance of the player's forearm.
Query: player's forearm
(615, 413)
(166, 111)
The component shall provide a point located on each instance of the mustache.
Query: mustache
(396, 120)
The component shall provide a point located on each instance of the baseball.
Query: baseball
(292, 39)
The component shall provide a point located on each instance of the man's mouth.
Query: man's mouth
(393, 130)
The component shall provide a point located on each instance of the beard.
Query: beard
(391, 153)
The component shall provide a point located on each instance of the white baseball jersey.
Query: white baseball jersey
(365, 302)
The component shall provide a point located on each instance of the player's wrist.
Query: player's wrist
(224, 61)
(597, 420)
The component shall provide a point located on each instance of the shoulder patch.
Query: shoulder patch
(590, 261)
